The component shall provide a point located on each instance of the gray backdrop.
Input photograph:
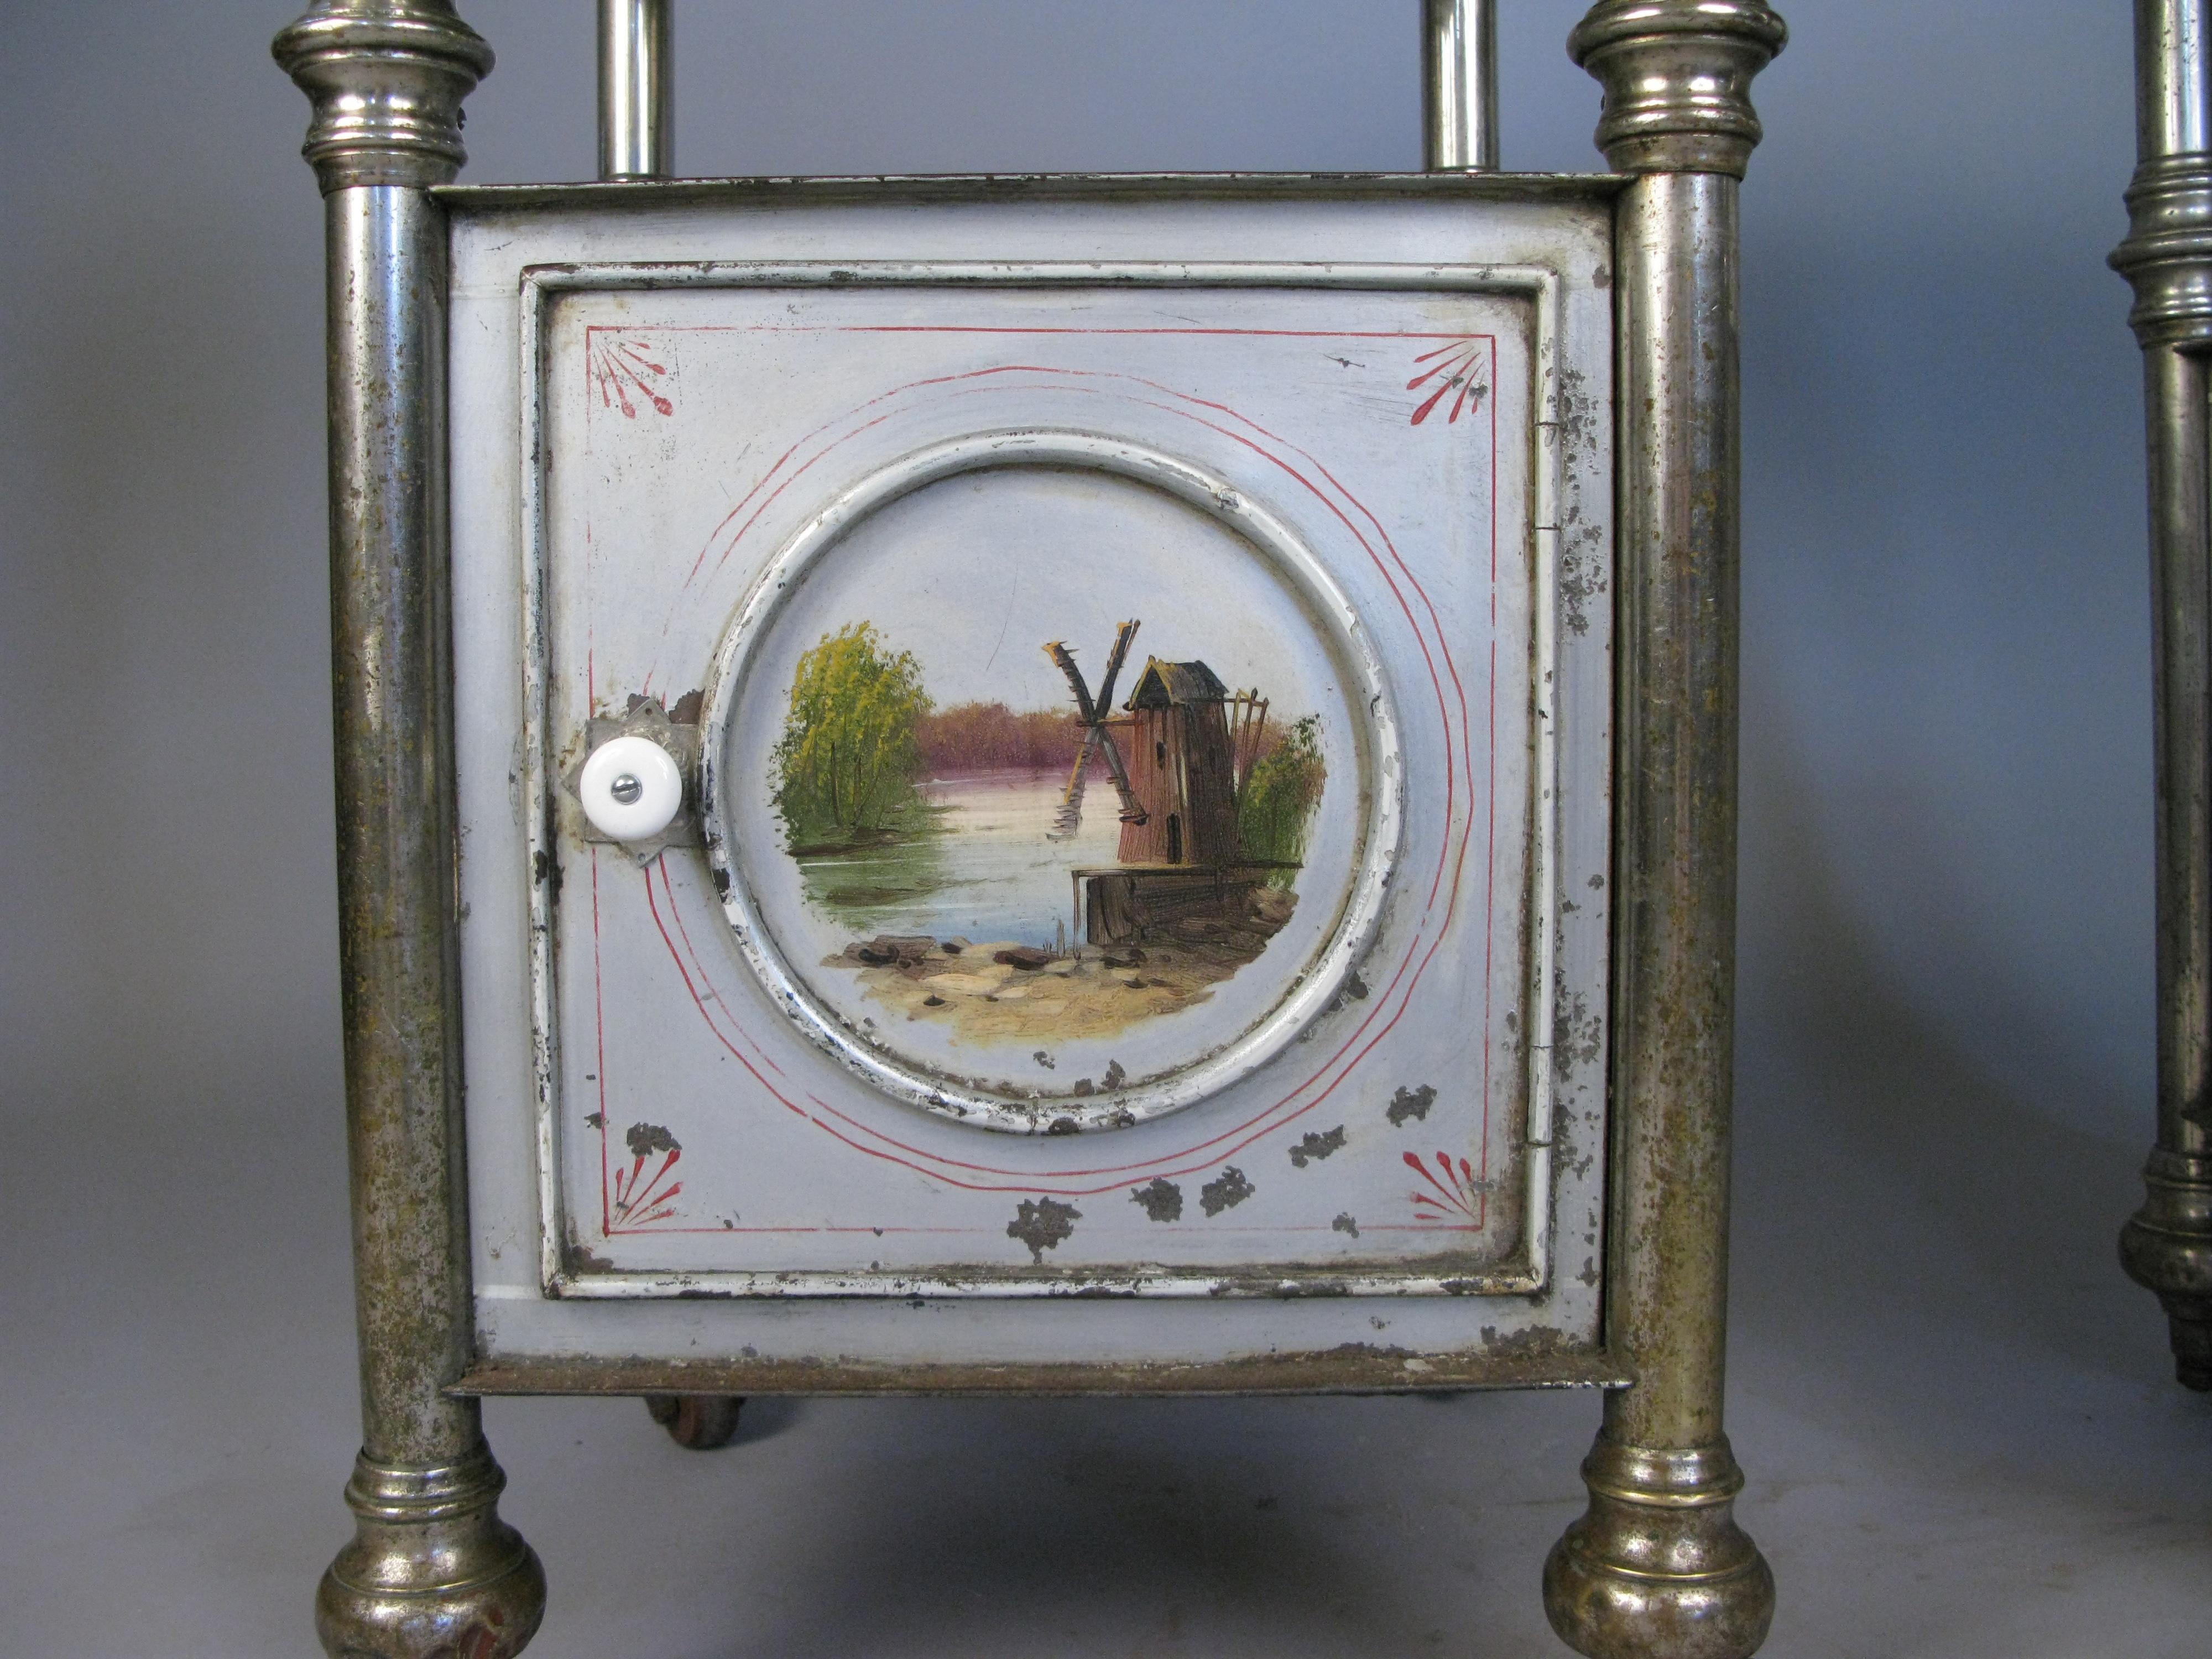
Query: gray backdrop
(1954, 1411)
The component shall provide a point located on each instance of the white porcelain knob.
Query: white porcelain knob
(631, 788)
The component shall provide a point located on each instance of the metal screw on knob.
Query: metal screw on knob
(626, 789)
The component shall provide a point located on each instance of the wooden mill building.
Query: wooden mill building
(1176, 743)
(1185, 744)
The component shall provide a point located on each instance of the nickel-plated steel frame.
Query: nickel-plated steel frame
(1657, 1564)
(637, 90)
(2167, 256)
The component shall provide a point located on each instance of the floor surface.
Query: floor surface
(1956, 1418)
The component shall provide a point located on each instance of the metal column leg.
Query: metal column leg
(2167, 256)
(1657, 1565)
(432, 1570)
(2167, 1246)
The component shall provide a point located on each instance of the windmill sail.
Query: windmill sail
(1132, 810)
(1248, 733)
(1096, 739)
(1069, 819)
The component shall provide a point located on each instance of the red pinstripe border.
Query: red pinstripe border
(858, 1135)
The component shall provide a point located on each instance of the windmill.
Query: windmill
(1096, 739)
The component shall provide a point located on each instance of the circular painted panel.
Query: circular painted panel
(1050, 783)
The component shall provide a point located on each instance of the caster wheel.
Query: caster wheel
(700, 1422)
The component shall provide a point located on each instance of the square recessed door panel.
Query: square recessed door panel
(1139, 672)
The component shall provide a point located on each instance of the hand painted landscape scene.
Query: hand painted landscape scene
(1032, 874)
(1053, 784)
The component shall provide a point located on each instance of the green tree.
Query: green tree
(847, 760)
(1277, 804)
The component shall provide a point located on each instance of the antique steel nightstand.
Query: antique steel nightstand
(1041, 785)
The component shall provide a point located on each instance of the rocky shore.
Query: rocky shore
(1001, 990)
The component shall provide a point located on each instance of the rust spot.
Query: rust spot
(1043, 1224)
(1577, 1034)
(1410, 1104)
(1536, 1342)
(583, 1259)
(1581, 565)
(1160, 1199)
(1225, 1191)
(686, 711)
(1317, 1146)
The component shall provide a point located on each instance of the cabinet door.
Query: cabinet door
(1138, 674)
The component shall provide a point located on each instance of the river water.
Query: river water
(989, 872)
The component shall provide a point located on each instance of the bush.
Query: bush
(1276, 806)
(847, 760)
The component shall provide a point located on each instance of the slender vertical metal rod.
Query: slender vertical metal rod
(2167, 256)
(2173, 101)
(1658, 1565)
(1459, 85)
(432, 1570)
(637, 90)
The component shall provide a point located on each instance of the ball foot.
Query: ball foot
(2190, 1328)
(1657, 1569)
(701, 1422)
(433, 1572)
(2168, 1249)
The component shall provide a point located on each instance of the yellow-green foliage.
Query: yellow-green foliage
(848, 759)
(1279, 796)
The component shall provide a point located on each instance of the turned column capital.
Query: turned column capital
(386, 79)
(1677, 77)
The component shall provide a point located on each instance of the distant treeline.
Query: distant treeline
(862, 734)
(989, 737)
(986, 737)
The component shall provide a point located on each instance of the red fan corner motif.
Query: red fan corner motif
(1453, 1192)
(643, 1194)
(625, 371)
(1455, 368)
